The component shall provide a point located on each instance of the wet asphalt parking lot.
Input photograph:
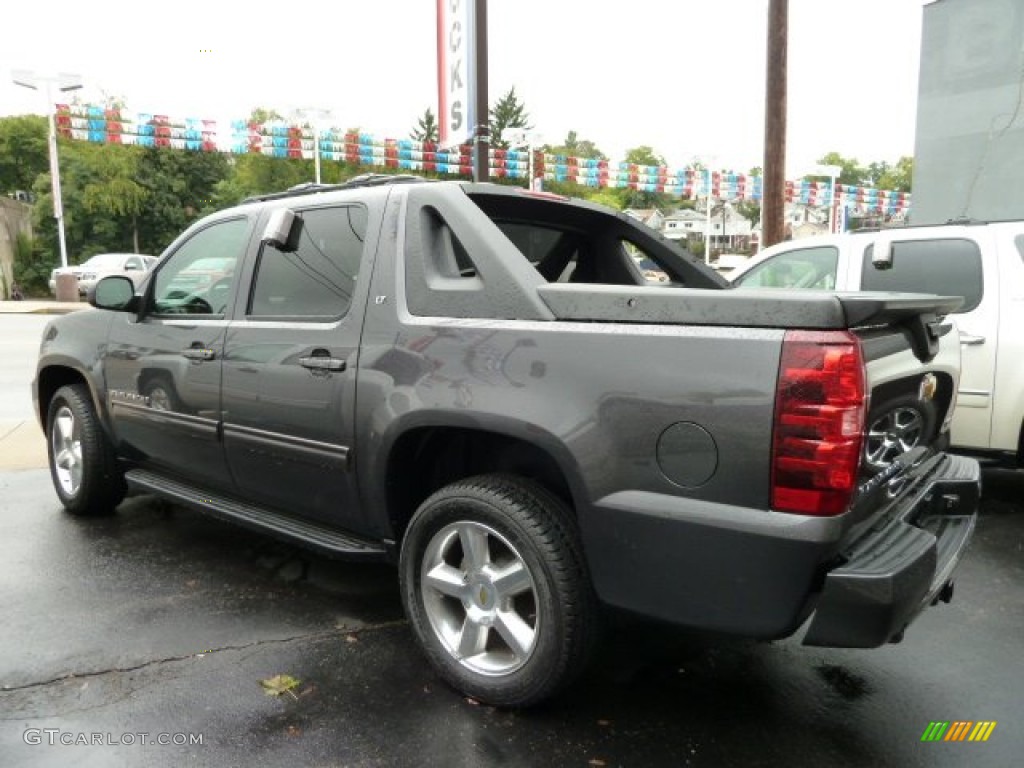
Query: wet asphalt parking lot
(160, 623)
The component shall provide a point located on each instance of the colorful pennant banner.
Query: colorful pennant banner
(111, 126)
(278, 139)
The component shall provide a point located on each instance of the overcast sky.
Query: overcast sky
(683, 76)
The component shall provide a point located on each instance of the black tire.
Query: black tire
(83, 467)
(895, 427)
(544, 599)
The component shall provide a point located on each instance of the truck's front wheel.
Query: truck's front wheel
(82, 463)
(495, 586)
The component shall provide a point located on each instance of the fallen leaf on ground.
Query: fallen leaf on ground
(280, 684)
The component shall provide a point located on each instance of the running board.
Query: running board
(304, 532)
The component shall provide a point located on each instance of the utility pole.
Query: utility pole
(481, 144)
(773, 202)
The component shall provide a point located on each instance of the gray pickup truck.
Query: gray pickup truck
(477, 383)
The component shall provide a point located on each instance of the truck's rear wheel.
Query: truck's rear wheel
(82, 463)
(495, 586)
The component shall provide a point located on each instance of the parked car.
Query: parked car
(132, 265)
(983, 263)
(478, 384)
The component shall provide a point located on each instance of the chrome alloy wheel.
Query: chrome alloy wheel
(66, 445)
(480, 598)
(893, 434)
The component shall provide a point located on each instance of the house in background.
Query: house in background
(730, 230)
(684, 225)
(652, 217)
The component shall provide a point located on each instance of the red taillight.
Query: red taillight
(819, 422)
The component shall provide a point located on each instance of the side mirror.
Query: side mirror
(882, 252)
(116, 293)
(283, 230)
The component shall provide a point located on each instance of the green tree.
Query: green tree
(749, 209)
(898, 177)
(852, 171)
(111, 189)
(875, 171)
(126, 198)
(180, 186)
(23, 152)
(257, 174)
(32, 267)
(101, 200)
(644, 155)
(264, 115)
(609, 197)
(426, 127)
(507, 113)
(573, 146)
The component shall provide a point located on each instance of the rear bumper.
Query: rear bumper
(895, 571)
(762, 574)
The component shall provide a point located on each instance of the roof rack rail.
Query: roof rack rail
(312, 188)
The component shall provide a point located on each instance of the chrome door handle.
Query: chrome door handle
(970, 340)
(322, 363)
(199, 353)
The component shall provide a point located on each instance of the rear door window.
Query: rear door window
(317, 280)
(950, 267)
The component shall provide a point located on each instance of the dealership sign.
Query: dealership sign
(456, 87)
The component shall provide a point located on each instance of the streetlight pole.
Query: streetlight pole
(64, 83)
(318, 115)
(707, 219)
(529, 140)
(833, 172)
(725, 239)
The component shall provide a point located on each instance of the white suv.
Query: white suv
(983, 262)
(132, 265)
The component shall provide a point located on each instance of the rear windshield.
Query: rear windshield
(569, 243)
(949, 267)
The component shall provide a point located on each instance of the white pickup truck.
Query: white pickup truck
(983, 262)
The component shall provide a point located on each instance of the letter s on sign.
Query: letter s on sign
(456, 121)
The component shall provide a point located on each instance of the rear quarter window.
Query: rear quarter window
(950, 267)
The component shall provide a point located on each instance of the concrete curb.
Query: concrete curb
(22, 445)
(41, 307)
